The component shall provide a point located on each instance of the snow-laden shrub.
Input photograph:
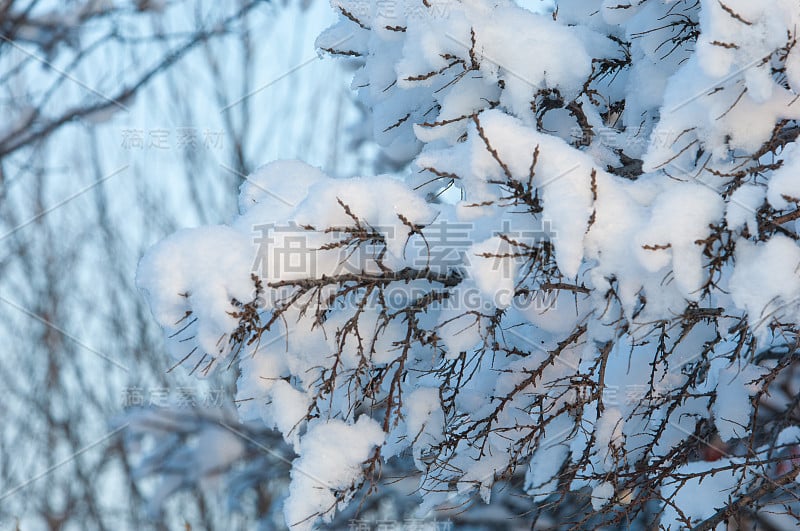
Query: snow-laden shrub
(588, 273)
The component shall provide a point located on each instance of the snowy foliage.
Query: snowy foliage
(587, 274)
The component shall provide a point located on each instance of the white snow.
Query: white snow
(330, 460)
(765, 282)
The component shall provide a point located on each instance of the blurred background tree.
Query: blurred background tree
(114, 113)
